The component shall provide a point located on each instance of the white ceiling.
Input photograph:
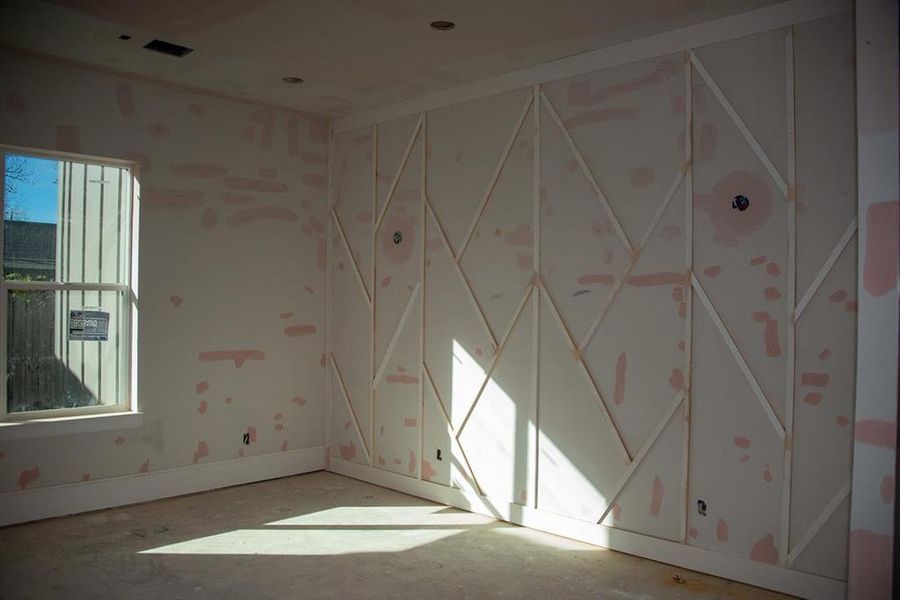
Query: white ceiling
(353, 54)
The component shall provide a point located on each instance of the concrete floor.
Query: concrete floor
(321, 536)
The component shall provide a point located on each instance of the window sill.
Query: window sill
(52, 427)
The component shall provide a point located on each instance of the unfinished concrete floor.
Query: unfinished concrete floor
(321, 536)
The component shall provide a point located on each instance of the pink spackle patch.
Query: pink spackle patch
(841, 421)
(851, 306)
(641, 176)
(824, 354)
(814, 379)
(712, 271)
(520, 236)
(202, 451)
(247, 184)
(228, 400)
(238, 357)
(722, 531)
(681, 344)
(284, 446)
(397, 461)
(259, 213)
(765, 551)
(880, 433)
(85, 476)
(201, 387)
(742, 442)
(125, 99)
(411, 463)
(692, 533)
(744, 458)
(880, 264)
(767, 474)
(279, 426)
(773, 269)
(616, 511)
(662, 278)
(309, 289)
(524, 262)
(676, 380)
(316, 180)
(286, 315)
(68, 138)
(209, 218)
(381, 460)
(268, 173)
(838, 296)
(176, 300)
(730, 224)
(619, 391)
(299, 330)
(251, 431)
(772, 293)
(145, 466)
(773, 345)
(678, 294)
(15, 104)
(278, 417)
(198, 170)
(410, 422)
(657, 496)
(158, 130)
(670, 232)
(871, 563)
(813, 398)
(348, 451)
(27, 477)
(596, 279)
(887, 489)
(119, 440)
(757, 260)
(428, 471)
(202, 408)
(386, 281)
(624, 113)
(299, 401)
(402, 379)
(347, 424)
(398, 254)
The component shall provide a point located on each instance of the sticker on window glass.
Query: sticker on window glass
(88, 325)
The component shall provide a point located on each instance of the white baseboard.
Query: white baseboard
(780, 579)
(68, 499)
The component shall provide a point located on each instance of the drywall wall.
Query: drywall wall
(546, 299)
(231, 270)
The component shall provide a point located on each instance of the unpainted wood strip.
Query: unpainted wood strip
(356, 271)
(739, 123)
(688, 295)
(587, 172)
(390, 349)
(493, 182)
(826, 268)
(639, 457)
(346, 395)
(739, 358)
(396, 181)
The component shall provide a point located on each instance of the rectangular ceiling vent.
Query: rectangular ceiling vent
(169, 48)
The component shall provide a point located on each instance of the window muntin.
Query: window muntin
(66, 247)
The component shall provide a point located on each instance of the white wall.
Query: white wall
(231, 259)
(581, 323)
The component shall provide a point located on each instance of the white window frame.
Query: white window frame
(127, 402)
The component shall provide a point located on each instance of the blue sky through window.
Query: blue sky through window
(34, 199)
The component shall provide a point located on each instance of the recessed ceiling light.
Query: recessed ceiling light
(125, 37)
(443, 25)
(292, 79)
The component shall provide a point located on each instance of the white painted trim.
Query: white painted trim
(70, 425)
(73, 498)
(720, 30)
(689, 557)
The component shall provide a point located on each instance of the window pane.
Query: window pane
(65, 221)
(46, 368)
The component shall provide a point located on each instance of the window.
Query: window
(67, 308)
